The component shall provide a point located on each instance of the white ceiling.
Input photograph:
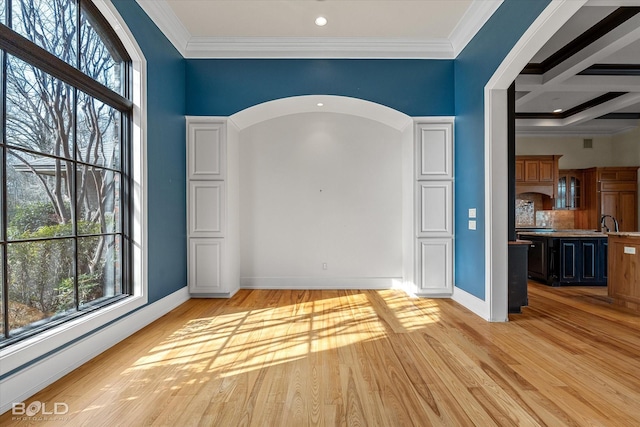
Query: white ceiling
(437, 29)
(286, 29)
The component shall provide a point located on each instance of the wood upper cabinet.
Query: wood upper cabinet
(610, 191)
(537, 174)
(519, 170)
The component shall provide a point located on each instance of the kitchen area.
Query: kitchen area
(580, 227)
(574, 154)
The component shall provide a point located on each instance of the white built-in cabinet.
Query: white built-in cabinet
(212, 229)
(433, 207)
(213, 207)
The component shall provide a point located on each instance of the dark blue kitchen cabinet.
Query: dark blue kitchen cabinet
(580, 261)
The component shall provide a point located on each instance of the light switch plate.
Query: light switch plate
(472, 212)
(472, 224)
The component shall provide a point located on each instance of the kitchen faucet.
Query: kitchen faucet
(603, 224)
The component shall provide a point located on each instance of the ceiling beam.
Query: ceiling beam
(594, 112)
(623, 35)
(553, 80)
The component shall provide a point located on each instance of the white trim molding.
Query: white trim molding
(163, 16)
(471, 302)
(496, 165)
(474, 18)
(25, 383)
(319, 282)
(317, 47)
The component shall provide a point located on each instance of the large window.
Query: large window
(65, 165)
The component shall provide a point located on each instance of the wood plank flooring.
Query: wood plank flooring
(364, 358)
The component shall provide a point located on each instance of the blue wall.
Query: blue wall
(166, 153)
(225, 86)
(474, 66)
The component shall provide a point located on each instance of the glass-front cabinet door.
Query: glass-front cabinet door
(569, 189)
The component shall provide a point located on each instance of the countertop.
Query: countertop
(569, 233)
(624, 234)
(520, 242)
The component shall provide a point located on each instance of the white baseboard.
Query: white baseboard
(28, 381)
(313, 283)
(471, 302)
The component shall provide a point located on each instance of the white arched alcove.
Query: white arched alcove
(320, 192)
(494, 308)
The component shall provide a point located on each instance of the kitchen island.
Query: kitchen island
(624, 265)
(567, 257)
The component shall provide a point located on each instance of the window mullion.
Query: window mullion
(3, 175)
(74, 186)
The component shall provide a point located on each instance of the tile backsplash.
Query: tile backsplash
(530, 212)
(527, 204)
(525, 213)
(557, 219)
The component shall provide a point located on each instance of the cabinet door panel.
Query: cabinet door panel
(206, 151)
(531, 170)
(206, 212)
(609, 204)
(435, 267)
(434, 203)
(434, 151)
(205, 265)
(519, 170)
(627, 209)
(546, 171)
(568, 260)
(589, 261)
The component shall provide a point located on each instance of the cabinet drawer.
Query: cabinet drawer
(618, 186)
(618, 175)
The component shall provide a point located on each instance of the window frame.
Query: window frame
(21, 354)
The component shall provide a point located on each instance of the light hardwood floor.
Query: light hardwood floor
(357, 358)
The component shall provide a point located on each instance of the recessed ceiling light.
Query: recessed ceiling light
(319, 104)
(558, 110)
(321, 21)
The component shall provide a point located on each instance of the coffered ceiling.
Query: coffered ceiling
(590, 68)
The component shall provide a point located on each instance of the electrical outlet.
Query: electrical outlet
(472, 224)
(324, 266)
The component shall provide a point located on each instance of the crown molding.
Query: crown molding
(473, 19)
(166, 20)
(349, 47)
(316, 47)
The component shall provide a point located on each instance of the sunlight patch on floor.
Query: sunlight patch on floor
(217, 345)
